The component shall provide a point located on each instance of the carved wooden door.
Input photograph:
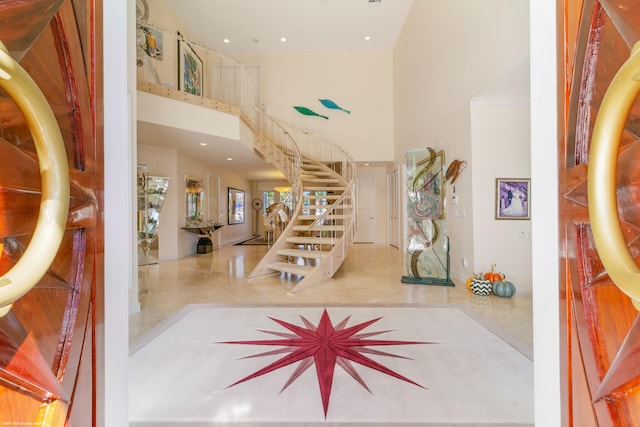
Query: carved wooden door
(48, 346)
(601, 348)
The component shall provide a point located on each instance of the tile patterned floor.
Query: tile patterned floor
(479, 374)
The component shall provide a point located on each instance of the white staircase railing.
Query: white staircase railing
(316, 241)
(276, 145)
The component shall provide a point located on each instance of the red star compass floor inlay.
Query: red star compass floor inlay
(326, 346)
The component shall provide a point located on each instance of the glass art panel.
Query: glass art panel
(427, 255)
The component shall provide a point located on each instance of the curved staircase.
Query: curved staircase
(317, 238)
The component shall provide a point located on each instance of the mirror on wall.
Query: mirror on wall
(236, 206)
(194, 189)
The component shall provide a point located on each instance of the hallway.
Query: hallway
(187, 295)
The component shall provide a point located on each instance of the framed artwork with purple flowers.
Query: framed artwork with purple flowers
(512, 198)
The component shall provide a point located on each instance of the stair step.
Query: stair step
(319, 227)
(314, 217)
(285, 267)
(325, 206)
(316, 173)
(327, 189)
(304, 253)
(301, 240)
(327, 197)
(321, 180)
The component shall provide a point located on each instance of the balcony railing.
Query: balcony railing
(168, 64)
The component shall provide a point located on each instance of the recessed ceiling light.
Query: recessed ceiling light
(204, 144)
(226, 41)
(368, 164)
(229, 158)
(283, 39)
(367, 38)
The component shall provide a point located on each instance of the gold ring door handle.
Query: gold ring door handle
(54, 175)
(603, 155)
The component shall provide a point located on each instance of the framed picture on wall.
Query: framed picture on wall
(190, 69)
(512, 198)
(236, 206)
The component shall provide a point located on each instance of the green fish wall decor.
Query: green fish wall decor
(308, 112)
(330, 104)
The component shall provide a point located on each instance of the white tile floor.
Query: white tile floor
(479, 373)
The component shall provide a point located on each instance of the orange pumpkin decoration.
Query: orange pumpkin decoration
(493, 275)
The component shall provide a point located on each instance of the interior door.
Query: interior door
(601, 349)
(48, 345)
(393, 204)
(366, 210)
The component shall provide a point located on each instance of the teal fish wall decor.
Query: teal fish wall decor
(330, 104)
(308, 112)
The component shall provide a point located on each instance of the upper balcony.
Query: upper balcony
(188, 93)
(170, 65)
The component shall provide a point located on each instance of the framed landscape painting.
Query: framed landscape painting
(512, 198)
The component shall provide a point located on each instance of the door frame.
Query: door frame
(120, 131)
(545, 48)
(393, 209)
(120, 163)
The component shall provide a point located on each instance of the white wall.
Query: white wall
(440, 64)
(500, 148)
(357, 81)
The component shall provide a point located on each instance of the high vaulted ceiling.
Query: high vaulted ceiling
(256, 27)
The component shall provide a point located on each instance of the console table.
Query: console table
(205, 244)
